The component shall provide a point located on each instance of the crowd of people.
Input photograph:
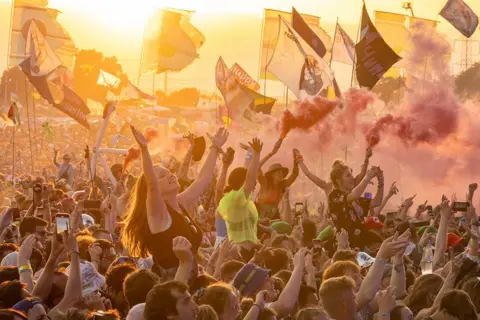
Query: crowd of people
(166, 242)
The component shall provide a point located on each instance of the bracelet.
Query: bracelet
(383, 314)
(74, 251)
(217, 149)
(384, 261)
(24, 268)
(256, 305)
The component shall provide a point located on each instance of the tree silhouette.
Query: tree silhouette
(466, 83)
(86, 71)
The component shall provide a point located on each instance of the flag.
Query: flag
(260, 104)
(61, 97)
(314, 41)
(459, 14)
(304, 31)
(270, 37)
(13, 113)
(243, 77)
(374, 56)
(298, 66)
(108, 80)
(343, 49)
(26, 12)
(170, 42)
(236, 99)
(43, 59)
(74, 106)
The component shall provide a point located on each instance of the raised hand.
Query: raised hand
(368, 153)
(228, 156)
(393, 189)
(256, 145)
(392, 246)
(423, 207)
(386, 300)
(25, 251)
(472, 187)
(342, 239)
(139, 138)
(182, 249)
(219, 139)
(409, 201)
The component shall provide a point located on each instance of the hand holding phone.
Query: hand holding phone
(298, 208)
(62, 221)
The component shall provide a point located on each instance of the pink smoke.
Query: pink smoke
(306, 114)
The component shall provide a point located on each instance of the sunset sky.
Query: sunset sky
(232, 29)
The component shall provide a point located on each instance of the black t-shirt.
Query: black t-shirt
(160, 244)
(348, 215)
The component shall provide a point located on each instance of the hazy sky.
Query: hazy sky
(232, 29)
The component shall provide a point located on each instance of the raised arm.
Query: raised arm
(441, 240)
(227, 161)
(254, 167)
(359, 190)
(324, 185)
(183, 172)
(377, 200)
(293, 176)
(190, 196)
(157, 214)
(363, 172)
(275, 149)
(74, 282)
(55, 154)
(393, 191)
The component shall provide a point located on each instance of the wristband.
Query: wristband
(383, 314)
(256, 305)
(298, 158)
(217, 149)
(25, 268)
(74, 251)
(384, 261)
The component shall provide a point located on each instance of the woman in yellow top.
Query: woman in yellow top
(236, 207)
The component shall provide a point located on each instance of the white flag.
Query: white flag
(343, 47)
(43, 58)
(298, 66)
(108, 80)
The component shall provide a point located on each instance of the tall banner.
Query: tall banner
(298, 66)
(270, 37)
(374, 55)
(459, 14)
(170, 42)
(28, 11)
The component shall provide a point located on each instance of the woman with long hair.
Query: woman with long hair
(273, 184)
(346, 203)
(158, 212)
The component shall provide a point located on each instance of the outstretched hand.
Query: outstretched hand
(256, 145)
(139, 137)
(219, 139)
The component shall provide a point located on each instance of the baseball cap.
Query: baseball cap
(373, 223)
(249, 279)
(282, 227)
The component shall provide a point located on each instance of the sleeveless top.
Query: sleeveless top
(160, 244)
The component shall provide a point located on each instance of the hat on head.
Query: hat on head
(453, 240)
(91, 279)
(373, 223)
(249, 279)
(117, 167)
(275, 167)
(282, 227)
(326, 234)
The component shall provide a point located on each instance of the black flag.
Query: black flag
(374, 55)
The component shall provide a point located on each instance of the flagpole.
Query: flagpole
(12, 12)
(261, 48)
(34, 124)
(265, 73)
(358, 35)
(14, 129)
(333, 44)
(28, 122)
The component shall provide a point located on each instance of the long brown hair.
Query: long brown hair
(136, 233)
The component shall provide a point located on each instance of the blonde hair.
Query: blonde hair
(331, 289)
(206, 312)
(338, 169)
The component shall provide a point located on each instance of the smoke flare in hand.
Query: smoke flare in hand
(133, 153)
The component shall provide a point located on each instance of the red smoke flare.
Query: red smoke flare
(151, 134)
(133, 153)
(306, 114)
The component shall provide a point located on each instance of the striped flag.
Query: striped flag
(459, 14)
